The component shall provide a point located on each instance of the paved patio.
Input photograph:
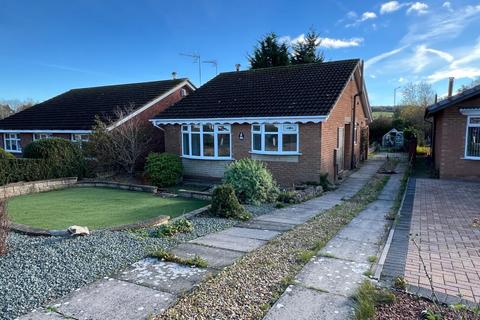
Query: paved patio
(442, 224)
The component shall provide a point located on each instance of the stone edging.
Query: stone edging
(201, 195)
(28, 187)
(116, 185)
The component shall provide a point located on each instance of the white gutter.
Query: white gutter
(241, 120)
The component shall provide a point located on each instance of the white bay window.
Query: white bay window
(472, 143)
(12, 142)
(275, 138)
(39, 136)
(206, 141)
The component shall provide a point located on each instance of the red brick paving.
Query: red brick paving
(442, 225)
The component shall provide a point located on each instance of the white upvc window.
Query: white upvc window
(206, 141)
(12, 142)
(80, 138)
(38, 136)
(275, 138)
(472, 138)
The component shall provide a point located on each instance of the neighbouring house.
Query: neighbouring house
(393, 139)
(71, 115)
(301, 120)
(456, 134)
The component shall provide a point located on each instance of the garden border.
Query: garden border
(29, 187)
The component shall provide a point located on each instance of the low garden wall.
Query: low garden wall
(22, 188)
(116, 185)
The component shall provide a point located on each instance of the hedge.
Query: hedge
(15, 170)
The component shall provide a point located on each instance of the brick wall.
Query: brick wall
(450, 126)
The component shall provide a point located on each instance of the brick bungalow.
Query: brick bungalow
(71, 115)
(456, 135)
(301, 120)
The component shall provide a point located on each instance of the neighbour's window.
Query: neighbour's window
(12, 142)
(80, 138)
(206, 141)
(275, 138)
(473, 138)
(38, 136)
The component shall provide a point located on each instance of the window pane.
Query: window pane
(289, 128)
(475, 120)
(271, 142)
(195, 128)
(473, 142)
(185, 128)
(271, 128)
(289, 142)
(257, 141)
(224, 145)
(223, 128)
(208, 145)
(195, 145)
(208, 128)
(186, 145)
(256, 127)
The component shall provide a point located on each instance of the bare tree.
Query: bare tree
(120, 147)
(5, 111)
(419, 94)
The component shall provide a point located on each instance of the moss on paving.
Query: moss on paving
(245, 289)
(94, 207)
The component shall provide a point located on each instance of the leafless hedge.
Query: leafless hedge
(4, 228)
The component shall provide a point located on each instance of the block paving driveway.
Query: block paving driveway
(443, 224)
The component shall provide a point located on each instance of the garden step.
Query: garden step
(114, 299)
(229, 242)
(266, 225)
(333, 275)
(303, 303)
(250, 233)
(163, 276)
(216, 257)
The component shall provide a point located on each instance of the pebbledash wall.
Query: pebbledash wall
(449, 152)
(317, 144)
(145, 116)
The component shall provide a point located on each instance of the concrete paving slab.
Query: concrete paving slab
(275, 218)
(250, 233)
(333, 275)
(301, 304)
(229, 242)
(350, 250)
(114, 299)
(164, 276)
(373, 234)
(42, 314)
(265, 225)
(216, 258)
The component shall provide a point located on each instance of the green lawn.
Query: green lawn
(94, 207)
(378, 114)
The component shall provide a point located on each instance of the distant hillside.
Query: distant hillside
(382, 111)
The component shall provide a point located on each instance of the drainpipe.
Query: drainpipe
(358, 94)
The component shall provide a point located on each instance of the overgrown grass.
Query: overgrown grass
(392, 213)
(265, 273)
(195, 261)
(367, 297)
(171, 229)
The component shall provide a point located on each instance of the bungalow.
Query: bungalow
(456, 134)
(71, 115)
(301, 120)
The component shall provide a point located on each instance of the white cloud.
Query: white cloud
(368, 15)
(329, 43)
(401, 79)
(423, 57)
(370, 62)
(459, 73)
(390, 6)
(447, 5)
(471, 56)
(352, 14)
(418, 7)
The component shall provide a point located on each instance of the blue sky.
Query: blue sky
(50, 46)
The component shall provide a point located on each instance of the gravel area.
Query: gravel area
(260, 209)
(39, 269)
(247, 289)
(410, 307)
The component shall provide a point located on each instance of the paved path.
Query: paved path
(441, 221)
(324, 287)
(150, 286)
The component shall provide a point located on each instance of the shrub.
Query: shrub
(163, 169)
(171, 229)
(287, 197)
(64, 157)
(4, 228)
(225, 204)
(252, 181)
(6, 155)
(24, 170)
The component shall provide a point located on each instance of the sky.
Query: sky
(49, 46)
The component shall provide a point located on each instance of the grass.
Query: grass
(94, 207)
(195, 261)
(367, 297)
(378, 114)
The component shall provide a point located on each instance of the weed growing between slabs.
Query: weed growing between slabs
(248, 288)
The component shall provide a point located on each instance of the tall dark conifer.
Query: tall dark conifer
(269, 53)
(307, 51)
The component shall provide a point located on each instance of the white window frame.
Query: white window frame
(469, 125)
(12, 137)
(280, 134)
(41, 135)
(201, 133)
(80, 141)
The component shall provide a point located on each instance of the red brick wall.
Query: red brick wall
(450, 144)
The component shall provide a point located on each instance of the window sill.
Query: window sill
(13, 151)
(471, 158)
(276, 153)
(208, 158)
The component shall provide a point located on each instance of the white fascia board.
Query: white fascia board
(470, 111)
(242, 120)
(46, 131)
(151, 103)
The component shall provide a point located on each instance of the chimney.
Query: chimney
(237, 66)
(450, 86)
(174, 75)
